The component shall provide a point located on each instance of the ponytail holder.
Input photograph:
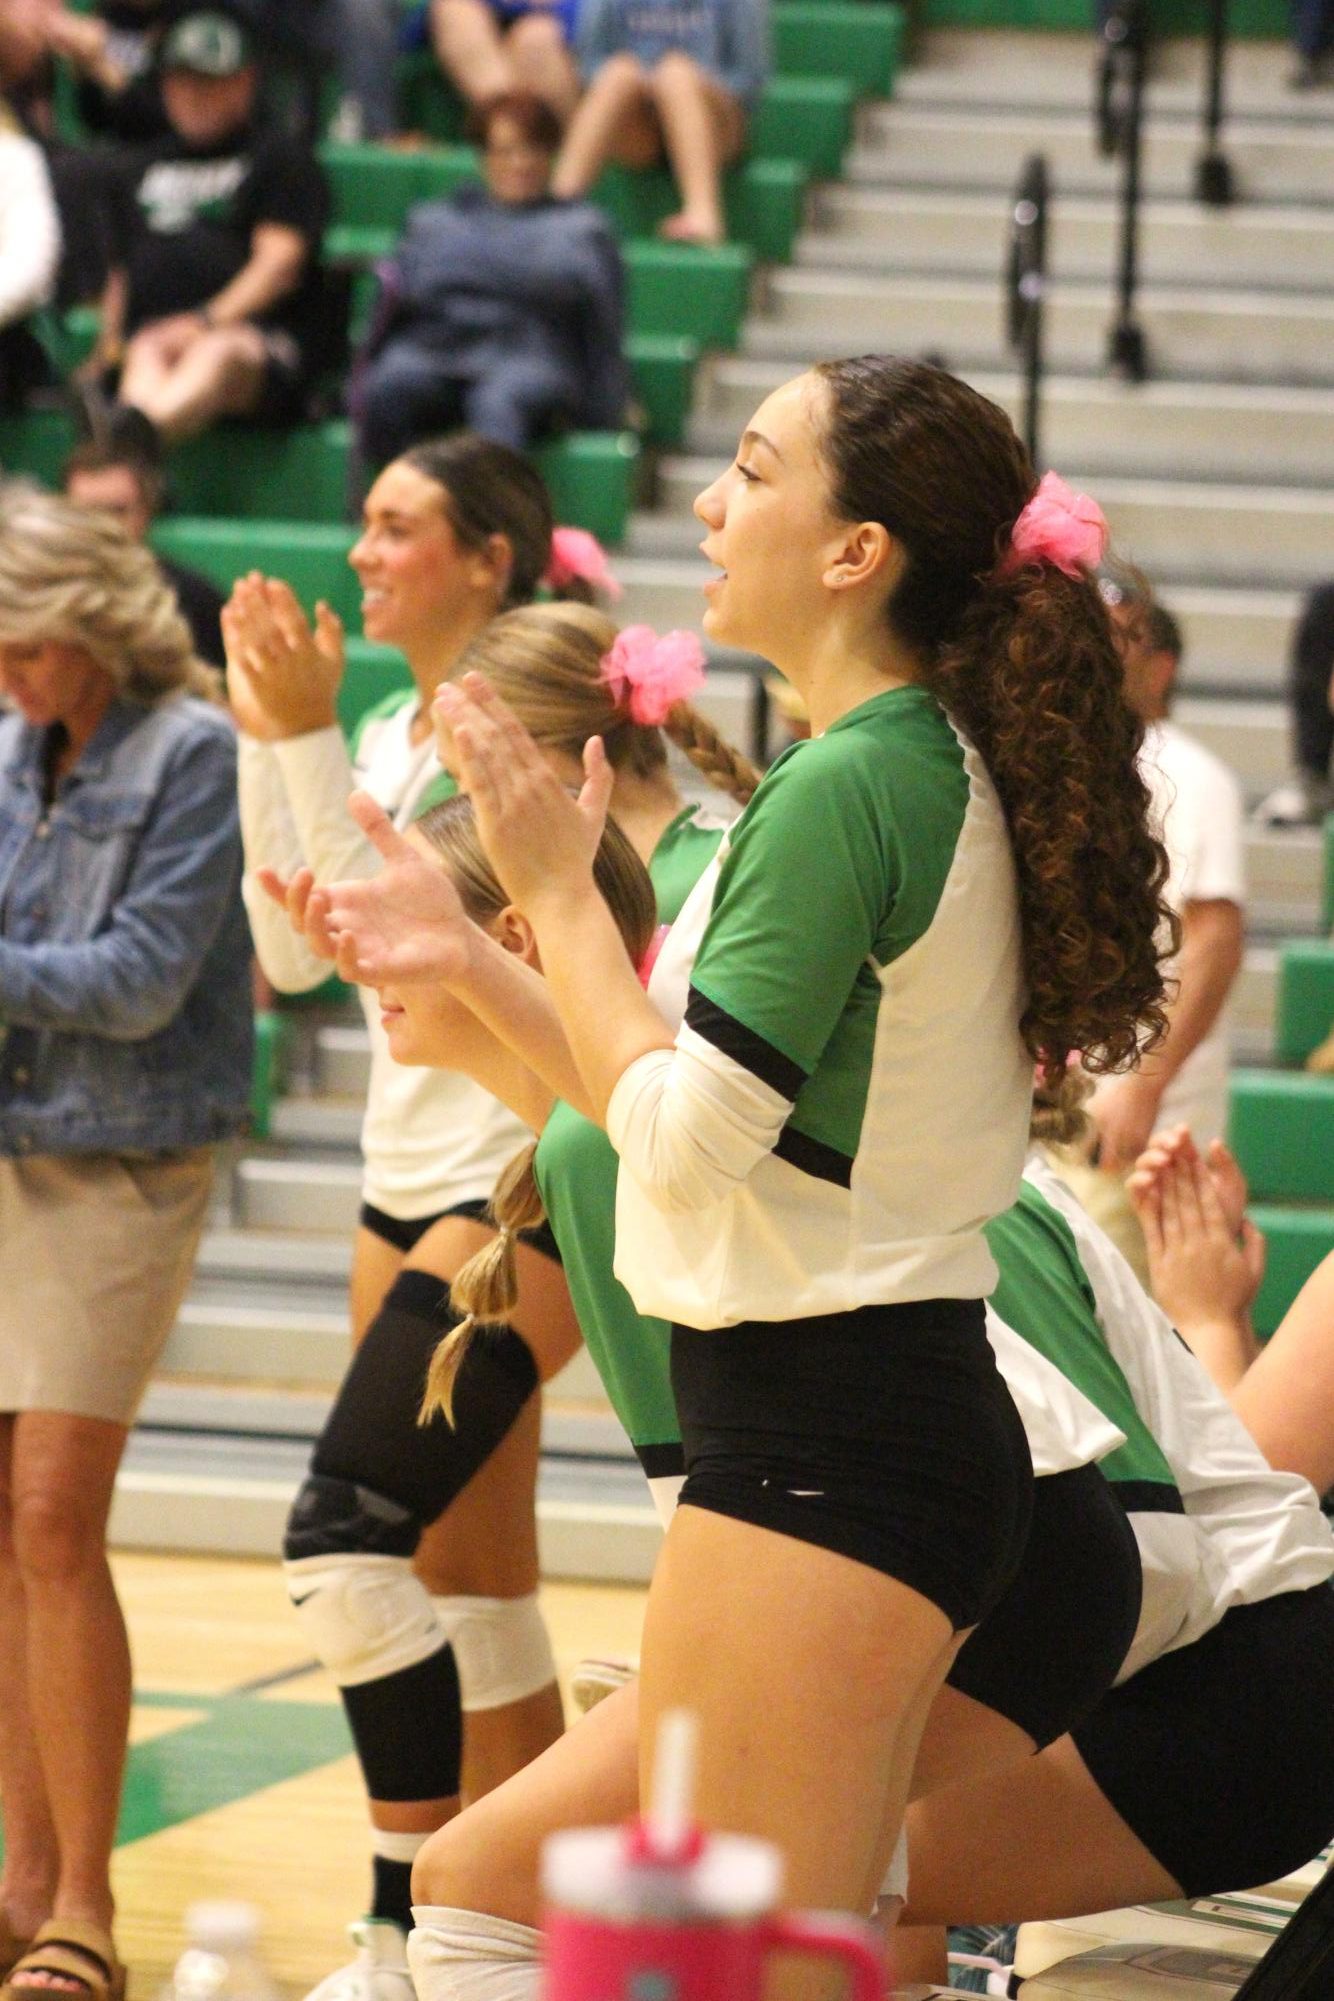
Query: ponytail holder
(1058, 526)
(648, 675)
(576, 553)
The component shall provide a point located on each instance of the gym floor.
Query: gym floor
(241, 1782)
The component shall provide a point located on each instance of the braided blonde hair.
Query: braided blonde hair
(486, 1288)
(546, 662)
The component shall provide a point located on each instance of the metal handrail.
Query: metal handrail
(1119, 129)
(1026, 287)
(1213, 170)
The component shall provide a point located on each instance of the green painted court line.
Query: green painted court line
(241, 1747)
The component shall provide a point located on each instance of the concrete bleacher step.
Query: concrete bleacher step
(184, 1491)
(342, 1060)
(300, 1194)
(274, 1257)
(1253, 1005)
(1233, 534)
(1251, 737)
(999, 67)
(1191, 333)
(237, 1340)
(955, 234)
(1172, 430)
(1284, 874)
(920, 145)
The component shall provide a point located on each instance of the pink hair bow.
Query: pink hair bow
(576, 553)
(1058, 526)
(648, 674)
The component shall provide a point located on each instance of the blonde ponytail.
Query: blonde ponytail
(486, 1288)
(711, 754)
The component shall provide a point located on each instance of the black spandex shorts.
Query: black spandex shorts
(1219, 1757)
(1053, 1646)
(405, 1233)
(886, 1435)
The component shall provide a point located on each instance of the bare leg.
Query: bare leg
(543, 63)
(1046, 1844)
(375, 1266)
(150, 360)
(469, 49)
(1284, 1398)
(63, 1472)
(809, 1735)
(220, 375)
(487, 1859)
(617, 99)
(32, 1858)
(702, 128)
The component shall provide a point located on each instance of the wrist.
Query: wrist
(285, 729)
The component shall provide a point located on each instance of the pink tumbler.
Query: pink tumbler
(631, 1917)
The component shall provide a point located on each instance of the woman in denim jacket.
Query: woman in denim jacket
(125, 1023)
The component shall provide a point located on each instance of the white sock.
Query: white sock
(396, 1847)
(467, 1956)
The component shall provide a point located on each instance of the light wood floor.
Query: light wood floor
(239, 1790)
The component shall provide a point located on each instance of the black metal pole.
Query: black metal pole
(1213, 169)
(1127, 352)
(1026, 285)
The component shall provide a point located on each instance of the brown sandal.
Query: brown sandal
(77, 1951)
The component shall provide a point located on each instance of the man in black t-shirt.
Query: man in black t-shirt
(213, 305)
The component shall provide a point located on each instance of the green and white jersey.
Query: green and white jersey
(1257, 1532)
(847, 1100)
(430, 1138)
(685, 848)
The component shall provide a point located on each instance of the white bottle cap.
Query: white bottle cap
(222, 1925)
(732, 1878)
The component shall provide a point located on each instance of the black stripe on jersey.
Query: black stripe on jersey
(742, 1044)
(813, 1157)
(1148, 1497)
(660, 1462)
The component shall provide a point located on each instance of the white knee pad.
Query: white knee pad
(467, 1956)
(365, 1616)
(500, 1647)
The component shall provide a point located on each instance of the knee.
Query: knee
(53, 1538)
(535, 34)
(347, 1561)
(622, 72)
(453, 1868)
(675, 68)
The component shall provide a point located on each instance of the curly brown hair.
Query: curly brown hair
(1027, 665)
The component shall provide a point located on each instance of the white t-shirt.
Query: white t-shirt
(1197, 808)
(430, 1138)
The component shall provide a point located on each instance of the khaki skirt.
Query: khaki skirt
(96, 1251)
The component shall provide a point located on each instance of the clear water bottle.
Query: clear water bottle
(222, 1959)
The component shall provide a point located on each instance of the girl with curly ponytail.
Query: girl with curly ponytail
(950, 876)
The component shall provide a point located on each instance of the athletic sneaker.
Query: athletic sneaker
(1300, 801)
(378, 1973)
(593, 1681)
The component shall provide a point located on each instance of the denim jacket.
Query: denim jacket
(126, 1017)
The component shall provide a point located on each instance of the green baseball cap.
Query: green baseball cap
(209, 43)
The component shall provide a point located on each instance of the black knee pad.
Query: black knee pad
(337, 1517)
(372, 1440)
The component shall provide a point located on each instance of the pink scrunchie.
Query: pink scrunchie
(1058, 526)
(648, 675)
(576, 553)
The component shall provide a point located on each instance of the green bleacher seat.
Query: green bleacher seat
(375, 186)
(372, 672)
(1298, 1239)
(1305, 998)
(764, 200)
(267, 1079)
(856, 39)
(662, 368)
(686, 288)
(806, 118)
(1281, 1128)
(311, 556)
(427, 103)
(592, 476)
(1267, 19)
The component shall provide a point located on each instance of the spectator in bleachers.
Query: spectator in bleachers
(1304, 799)
(128, 483)
(489, 48)
(113, 53)
(1313, 38)
(503, 309)
(1197, 805)
(213, 306)
(29, 256)
(124, 987)
(669, 79)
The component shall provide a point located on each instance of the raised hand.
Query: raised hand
(307, 908)
(288, 669)
(538, 838)
(406, 926)
(1205, 1271)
